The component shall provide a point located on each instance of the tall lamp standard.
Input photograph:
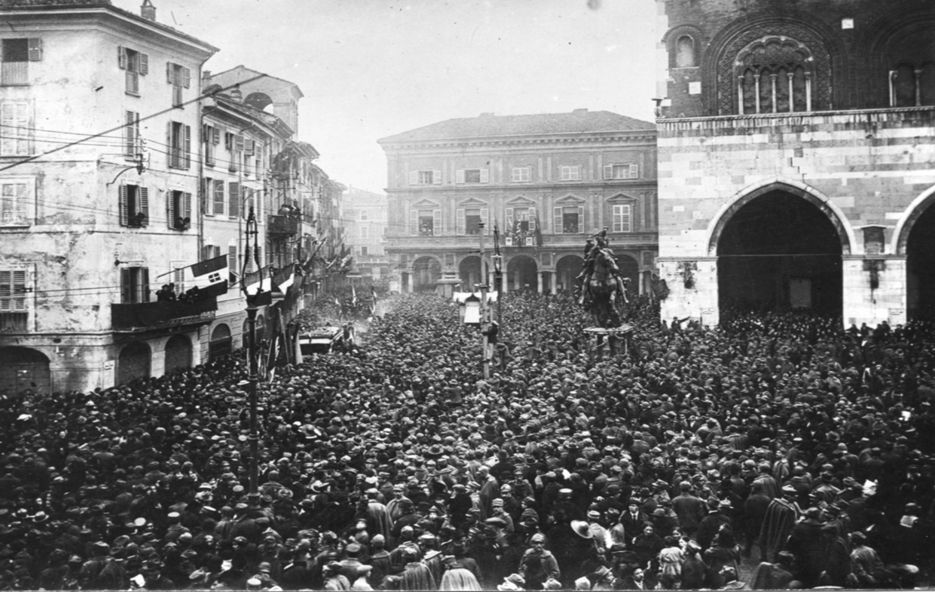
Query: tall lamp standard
(251, 284)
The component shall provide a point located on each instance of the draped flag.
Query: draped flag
(210, 276)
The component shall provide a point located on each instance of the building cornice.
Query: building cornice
(631, 137)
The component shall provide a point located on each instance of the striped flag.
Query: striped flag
(210, 276)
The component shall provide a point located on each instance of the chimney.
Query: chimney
(148, 11)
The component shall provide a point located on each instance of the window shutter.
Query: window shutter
(144, 64)
(557, 220)
(170, 73)
(608, 171)
(172, 157)
(485, 218)
(186, 77)
(21, 203)
(122, 57)
(233, 199)
(413, 177)
(634, 171)
(436, 177)
(460, 226)
(171, 197)
(125, 283)
(459, 176)
(187, 205)
(436, 222)
(6, 290)
(532, 219)
(19, 289)
(581, 219)
(485, 175)
(215, 136)
(228, 141)
(414, 221)
(187, 146)
(144, 284)
(143, 206)
(232, 259)
(122, 206)
(35, 49)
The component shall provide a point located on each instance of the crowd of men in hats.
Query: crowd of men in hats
(775, 441)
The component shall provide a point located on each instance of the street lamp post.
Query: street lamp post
(251, 283)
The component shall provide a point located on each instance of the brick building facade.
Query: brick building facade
(797, 157)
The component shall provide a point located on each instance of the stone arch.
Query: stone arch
(469, 270)
(522, 273)
(910, 216)
(134, 361)
(894, 39)
(23, 369)
(567, 269)
(719, 85)
(809, 194)
(914, 239)
(178, 353)
(426, 271)
(221, 342)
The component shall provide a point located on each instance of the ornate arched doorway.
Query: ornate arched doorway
(777, 250)
(134, 362)
(470, 273)
(24, 369)
(521, 273)
(178, 353)
(426, 271)
(566, 270)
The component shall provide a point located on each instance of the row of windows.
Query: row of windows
(134, 208)
(241, 149)
(231, 198)
(613, 171)
(473, 221)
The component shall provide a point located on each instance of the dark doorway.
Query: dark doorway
(24, 369)
(779, 252)
(920, 267)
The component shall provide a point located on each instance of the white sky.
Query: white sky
(374, 68)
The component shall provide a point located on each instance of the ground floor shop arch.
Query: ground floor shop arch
(178, 353)
(778, 248)
(134, 361)
(24, 368)
(221, 342)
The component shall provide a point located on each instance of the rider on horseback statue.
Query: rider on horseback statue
(600, 283)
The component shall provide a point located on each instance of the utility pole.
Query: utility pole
(485, 360)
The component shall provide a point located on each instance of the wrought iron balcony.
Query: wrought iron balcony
(146, 316)
(282, 225)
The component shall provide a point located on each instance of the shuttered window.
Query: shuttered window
(178, 77)
(15, 55)
(134, 206)
(15, 202)
(135, 64)
(134, 285)
(233, 200)
(179, 210)
(179, 141)
(16, 130)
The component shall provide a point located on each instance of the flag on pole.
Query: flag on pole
(251, 282)
(353, 296)
(284, 278)
(210, 276)
(373, 300)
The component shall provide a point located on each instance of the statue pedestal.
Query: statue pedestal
(611, 337)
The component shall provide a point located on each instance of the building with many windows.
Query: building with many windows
(797, 158)
(98, 168)
(545, 182)
(364, 218)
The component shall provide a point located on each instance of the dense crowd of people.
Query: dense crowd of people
(776, 451)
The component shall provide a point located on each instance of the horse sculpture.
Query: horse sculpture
(601, 287)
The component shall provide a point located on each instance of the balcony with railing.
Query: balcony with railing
(146, 316)
(282, 225)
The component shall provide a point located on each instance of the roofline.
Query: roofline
(297, 87)
(117, 13)
(638, 131)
